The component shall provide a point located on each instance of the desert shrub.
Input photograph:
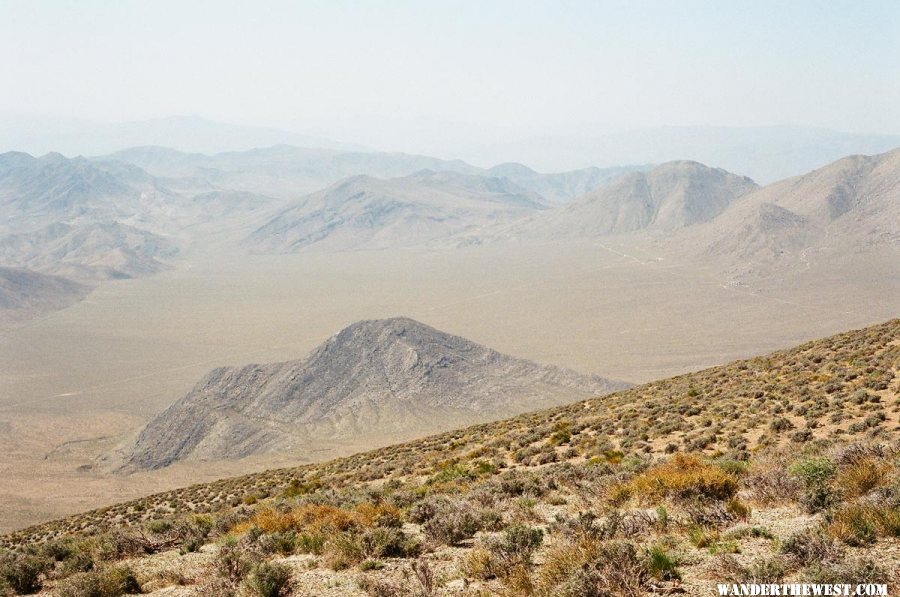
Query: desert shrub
(269, 579)
(106, 582)
(160, 526)
(389, 543)
(861, 524)
(23, 572)
(760, 571)
(120, 544)
(590, 567)
(342, 551)
(280, 542)
(857, 571)
(681, 478)
(382, 515)
(701, 536)
(780, 424)
(773, 485)
(515, 546)
(376, 587)
(738, 509)
(311, 542)
(419, 582)
(816, 475)
(814, 471)
(478, 564)
(452, 524)
(811, 546)
(425, 509)
(233, 562)
(57, 550)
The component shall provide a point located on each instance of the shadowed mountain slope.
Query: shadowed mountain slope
(25, 294)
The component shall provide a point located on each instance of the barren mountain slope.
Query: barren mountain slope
(89, 251)
(35, 192)
(381, 378)
(671, 196)
(422, 209)
(848, 205)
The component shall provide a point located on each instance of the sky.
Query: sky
(360, 70)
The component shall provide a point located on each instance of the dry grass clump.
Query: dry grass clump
(593, 567)
(861, 524)
(682, 478)
(507, 557)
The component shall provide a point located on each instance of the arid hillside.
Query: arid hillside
(375, 382)
(777, 468)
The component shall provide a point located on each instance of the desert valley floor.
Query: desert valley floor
(80, 381)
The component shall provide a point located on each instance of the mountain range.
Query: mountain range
(671, 196)
(421, 209)
(136, 212)
(373, 381)
(764, 153)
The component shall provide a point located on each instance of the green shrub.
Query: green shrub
(389, 543)
(23, 572)
(108, 582)
(661, 565)
(270, 580)
(814, 471)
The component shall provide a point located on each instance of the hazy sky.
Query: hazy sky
(334, 66)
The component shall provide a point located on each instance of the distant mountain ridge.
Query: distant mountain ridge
(849, 204)
(418, 210)
(670, 196)
(375, 379)
(288, 171)
(764, 153)
(186, 133)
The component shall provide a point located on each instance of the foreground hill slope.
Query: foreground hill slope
(840, 388)
(375, 379)
(783, 468)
